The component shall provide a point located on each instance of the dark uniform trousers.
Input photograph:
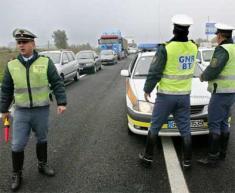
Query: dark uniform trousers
(178, 106)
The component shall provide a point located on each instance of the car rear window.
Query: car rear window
(55, 57)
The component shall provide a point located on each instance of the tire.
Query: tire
(94, 70)
(76, 77)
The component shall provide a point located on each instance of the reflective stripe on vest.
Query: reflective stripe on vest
(225, 82)
(38, 82)
(180, 65)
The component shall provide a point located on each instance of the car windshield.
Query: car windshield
(207, 55)
(85, 55)
(142, 66)
(198, 71)
(106, 52)
(55, 57)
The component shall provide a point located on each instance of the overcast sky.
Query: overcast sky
(84, 20)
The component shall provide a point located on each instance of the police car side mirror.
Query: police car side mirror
(125, 73)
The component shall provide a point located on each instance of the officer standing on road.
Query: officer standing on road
(26, 82)
(172, 68)
(220, 75)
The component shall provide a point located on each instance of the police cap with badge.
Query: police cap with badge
(224, 29)
(181, 24)
(23, 35)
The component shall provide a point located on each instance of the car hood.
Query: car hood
(199, 94)
(109, 57)
(85, 60)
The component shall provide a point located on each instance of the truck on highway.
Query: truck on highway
(113, 40)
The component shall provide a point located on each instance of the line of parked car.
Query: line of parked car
(71, 66)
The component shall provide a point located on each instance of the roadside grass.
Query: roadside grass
(5, 56)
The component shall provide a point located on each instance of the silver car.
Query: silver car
(89, 61)
(108, 57)
(65, 63)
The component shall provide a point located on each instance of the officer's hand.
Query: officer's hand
(61, 109)
(5, 116)
(147, 96)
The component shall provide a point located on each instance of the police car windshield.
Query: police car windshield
(198, 71)
(207, 55)
(55, 57)
(142, 66)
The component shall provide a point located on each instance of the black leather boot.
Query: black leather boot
(43, 167)
(17, 163)
(187, 152)
(212, 158)
(224, 138)
(147, 157)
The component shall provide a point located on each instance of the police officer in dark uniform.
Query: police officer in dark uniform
(26, 83)
(220, 75)
(172, 71)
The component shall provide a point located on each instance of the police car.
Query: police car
(204, 56)
(139, 111)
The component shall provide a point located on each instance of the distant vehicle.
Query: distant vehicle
(139, 111)
(108, 57)
(65, 63)
(89, 61)
(204, 56)
(132, 46)
(113, 40)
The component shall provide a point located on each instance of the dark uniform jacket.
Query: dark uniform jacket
(218, 61)
(158, 65)
(7, 88)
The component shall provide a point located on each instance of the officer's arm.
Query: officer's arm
(156, 69)
(7, 91)
(57, 84)
(218, 61)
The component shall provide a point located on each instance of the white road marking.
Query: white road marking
(174, 171)
(82, 76)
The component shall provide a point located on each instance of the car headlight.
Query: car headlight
(205, 109)
(144, 107)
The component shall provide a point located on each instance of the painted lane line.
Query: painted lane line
(174, 171)
(82, 76)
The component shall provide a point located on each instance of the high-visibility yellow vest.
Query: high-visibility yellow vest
(225, 82)
(35, 91)
(179, 69)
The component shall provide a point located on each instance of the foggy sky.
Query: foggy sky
(84, 20)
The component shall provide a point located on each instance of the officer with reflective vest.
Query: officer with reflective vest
(171, 72)
(220, 75)
(26, 84)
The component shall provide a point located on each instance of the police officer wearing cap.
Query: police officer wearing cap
(220, 75)
(171, 72)
(26, 84)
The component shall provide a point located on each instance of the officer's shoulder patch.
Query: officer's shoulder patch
(214, 62)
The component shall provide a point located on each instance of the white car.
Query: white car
(108, 57)
(204, 56)
(139, 111)
(65, 62)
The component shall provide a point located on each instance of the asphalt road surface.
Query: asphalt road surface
(91, 151)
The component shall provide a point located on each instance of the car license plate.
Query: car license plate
(193, 124)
